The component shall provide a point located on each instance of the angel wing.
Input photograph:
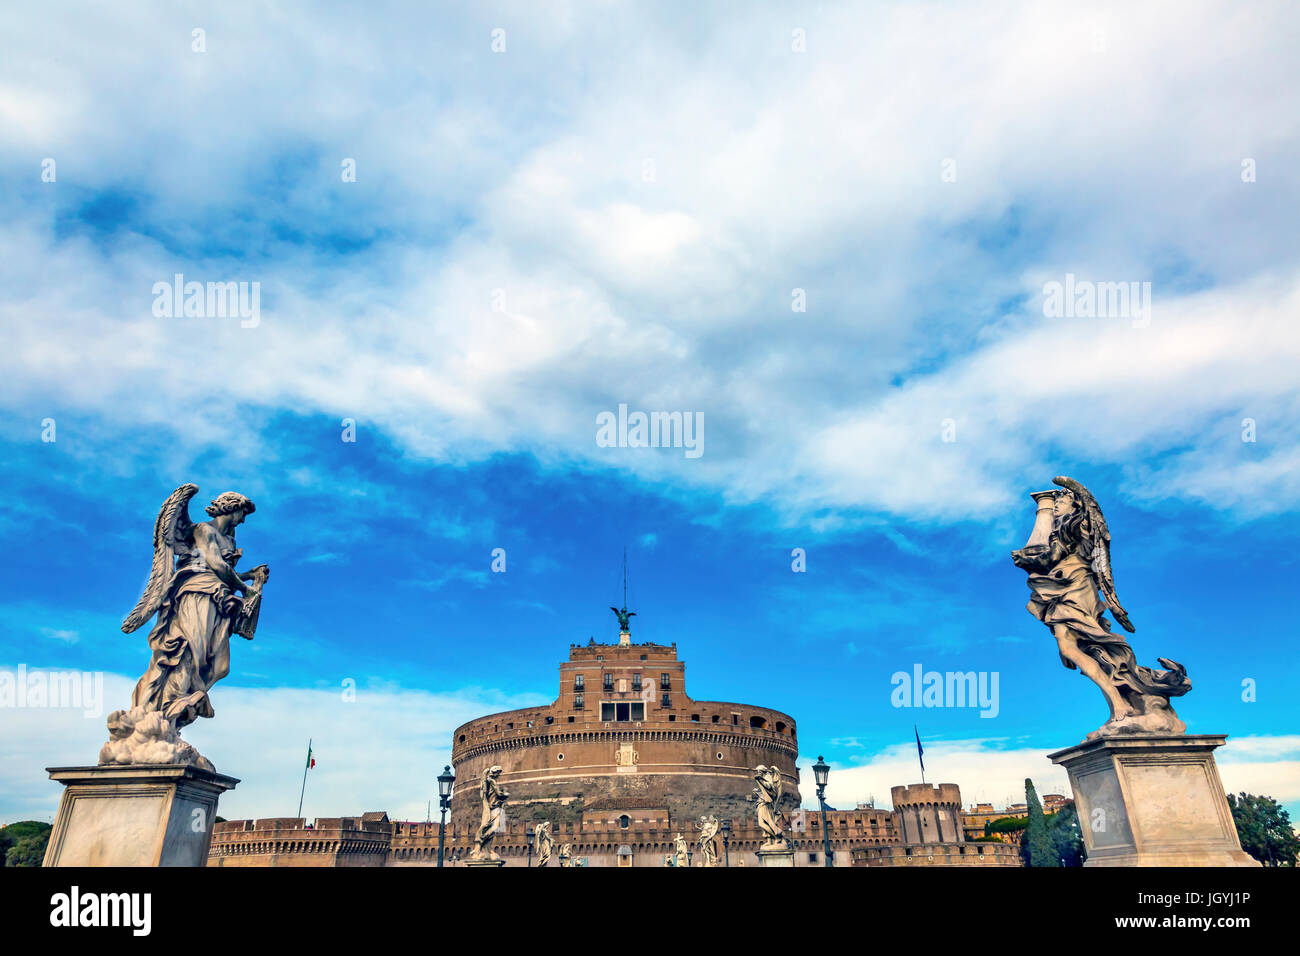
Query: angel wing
(1100, 549)
(172, 531)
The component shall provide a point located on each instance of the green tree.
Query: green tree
(1005, 825)
(1067, 839)
(1036, 848)
(1264, 829)
(23, 843)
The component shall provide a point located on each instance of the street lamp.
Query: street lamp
(532, 835)
(821, 771)
(726, 841)
(445, 780)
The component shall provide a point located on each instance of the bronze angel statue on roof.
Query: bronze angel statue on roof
(1068, 560)
(200, 600)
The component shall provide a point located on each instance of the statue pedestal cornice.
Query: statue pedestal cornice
(1152, 800)
(776, 856)
(143, 815)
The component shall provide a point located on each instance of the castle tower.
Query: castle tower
(928, 813)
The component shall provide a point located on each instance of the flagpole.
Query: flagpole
(305, 768)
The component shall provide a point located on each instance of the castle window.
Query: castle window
(559, 756)
(609, 682)
(780, 727)
(757, 722)
(550, 720)
(577, 703)
(695, 718)
(667, 701)
(571, 716)
(636, 682)
(812, 857)
(642, 657)
(624, 822)
(579, 682)
(665, 681)
(716, 718)
(622, 710)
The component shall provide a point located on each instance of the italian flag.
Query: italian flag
(311, 761)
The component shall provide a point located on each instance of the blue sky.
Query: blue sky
(619, 210)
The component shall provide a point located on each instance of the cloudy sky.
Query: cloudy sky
(827, 234)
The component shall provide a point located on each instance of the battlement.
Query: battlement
(926, 794)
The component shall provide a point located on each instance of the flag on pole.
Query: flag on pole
(311, 761)
(920, 751)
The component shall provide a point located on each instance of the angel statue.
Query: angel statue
(1068, 560)
(681, 851)
(544, 843)
(195, 592)
(493, 800)
(624, 616)
(771, 818)
(708, 842)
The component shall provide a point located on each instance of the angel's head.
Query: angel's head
(231, 503)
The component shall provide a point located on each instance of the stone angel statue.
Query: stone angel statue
(544, 843)
(200, 600)
(771, 818)
(708, 841)
(492, 799)
(1067, 558)
(566, 855)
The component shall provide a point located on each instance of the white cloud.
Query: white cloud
(379, 752)
(994, 771)
(525, 173)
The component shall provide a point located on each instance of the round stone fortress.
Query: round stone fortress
(623, 734)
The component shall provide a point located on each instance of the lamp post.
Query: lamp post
(445, 780)
(821, 771)
(726, 842)
(532, 835)
(690, 857)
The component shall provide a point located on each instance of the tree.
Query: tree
(23, 843)
(1067, 839)
(1036, 848)
(1264, 829)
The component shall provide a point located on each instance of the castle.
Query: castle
(620, 763)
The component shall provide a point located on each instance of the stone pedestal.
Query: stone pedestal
(472, 862)
(141, 815)
(777, 856)
(1152, 800)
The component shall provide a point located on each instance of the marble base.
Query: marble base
(483, 863)
(776, 857)
(1152, 800)
(141, 815)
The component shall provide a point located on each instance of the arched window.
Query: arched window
(624, 822)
